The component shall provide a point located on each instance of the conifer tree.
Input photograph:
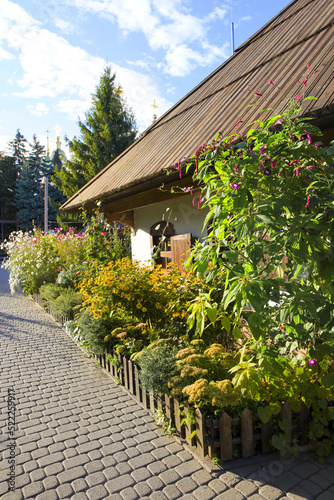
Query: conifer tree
(18, 148)
(30, 190)
(108, 129)
(8, 173)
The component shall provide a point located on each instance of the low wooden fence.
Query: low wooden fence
(224, 437)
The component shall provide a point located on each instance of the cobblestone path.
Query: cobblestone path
(79, 436)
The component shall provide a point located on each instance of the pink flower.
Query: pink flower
(312, 362)
(236, 168)
(59, 269)
(308, 67)
(307, 202)
(258, 94)
(238, 123)
(235, 185)
(305, 82)
(270, 82)
(309, 140)
(103, 232)
(298, 96)
(297, 170)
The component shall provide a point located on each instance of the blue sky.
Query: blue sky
(52, 53)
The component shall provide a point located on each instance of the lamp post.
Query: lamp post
(45, 181)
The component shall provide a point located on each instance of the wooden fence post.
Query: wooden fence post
(188, 427)
(137, 385)
(200, 433)
(130, 371)
(286, 415)
(125, 373)
(247, 448)
(266, 435)
(225, 431)
(120, 373)
(152, 403)
(177, 416)
(304, 419)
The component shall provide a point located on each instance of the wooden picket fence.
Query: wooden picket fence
(224, 437)
(214, 437)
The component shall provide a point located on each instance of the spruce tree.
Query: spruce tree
(30, 190)
(18, 149)
(108, 129)
(8, 173)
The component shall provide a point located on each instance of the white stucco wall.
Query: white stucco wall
(179, 211)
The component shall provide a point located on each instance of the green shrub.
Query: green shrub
(156, 365)
(66, 302)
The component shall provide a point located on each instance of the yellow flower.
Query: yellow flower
(144, 309)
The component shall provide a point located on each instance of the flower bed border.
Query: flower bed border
(214, 437)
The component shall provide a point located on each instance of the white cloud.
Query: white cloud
(73, 108)
(167, 25)
(246, 18)
(182, 60)
(217, 14)
(64, 26)
(55, 69)
(38, 109)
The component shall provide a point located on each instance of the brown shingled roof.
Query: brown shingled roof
(301, 34)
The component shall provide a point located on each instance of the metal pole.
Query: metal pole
(46, 204)
(232, 37)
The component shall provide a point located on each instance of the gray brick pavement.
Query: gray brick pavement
(79, 436)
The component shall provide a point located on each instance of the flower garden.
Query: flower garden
(251, 323)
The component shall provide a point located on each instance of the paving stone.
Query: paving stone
(30, 466)
(188, 468)
(156, 467)
(47, 495)
(97, 492)
(305, 470)
(119, 483)
(325, 495)
(33, 489)
(270, 492)
(75, 461)
(231, 494)
(123, 468)
(94, 466)
(129, 494)
(65, 491)
(51, 483)
(142, 489)
(247, 488)
(158, 495)
(201, 477)
(95, 478)
(51, 459)
(79, 485)
(186, 485)
(71, 474)
(155, 483)
(184, 455)
(141, 461)
(37, 475)
(320, 481)
(22, 480)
